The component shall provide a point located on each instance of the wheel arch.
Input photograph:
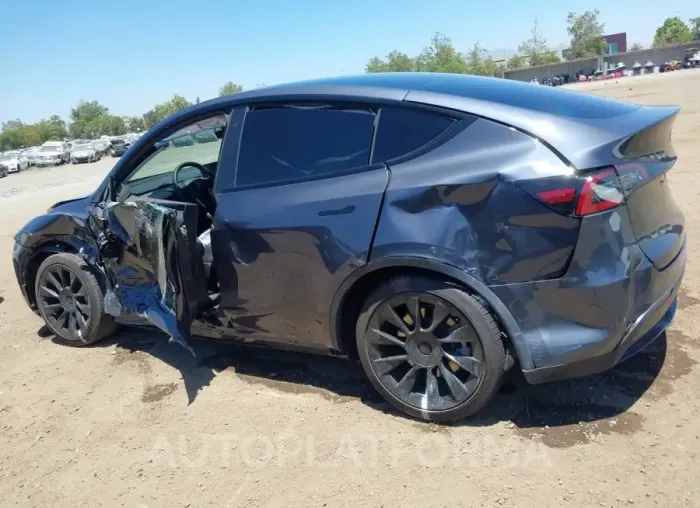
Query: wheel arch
(38, 255)
(351, 294)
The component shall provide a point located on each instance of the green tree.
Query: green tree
(52, 128)
(10, 139)
(12, 125)
(550, 57)
(134, 123)
(88, 119)
(673, 31)
(586, 33)
(87, 111)
(441, 56)
(108, 125)
(229, 88)
(164, 110)
(479, 64)
(635, 47)
(17, 134)
(517, 62)
(695, 28)
(535, 49)
(395, 61)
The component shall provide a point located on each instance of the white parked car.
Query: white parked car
(84, 153)
(31, 154)
(14, 161)
(101, 145)
(53, 153)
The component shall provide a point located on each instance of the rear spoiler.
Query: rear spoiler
(581, 142)
(643, 133)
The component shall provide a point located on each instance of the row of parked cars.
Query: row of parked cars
(54, 153)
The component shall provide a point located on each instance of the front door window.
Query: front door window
(199, 142)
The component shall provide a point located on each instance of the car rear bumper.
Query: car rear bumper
(611, 303)
(650, 326)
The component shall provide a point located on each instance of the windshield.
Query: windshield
(118, 142)
(49, 149)
(82, 147)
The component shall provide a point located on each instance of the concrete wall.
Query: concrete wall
(656, 55)
(546, 71)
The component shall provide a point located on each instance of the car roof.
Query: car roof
(570, 122)
(398, 86)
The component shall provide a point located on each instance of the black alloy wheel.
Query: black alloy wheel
(64, 300)
(431, 349)
(70, 299)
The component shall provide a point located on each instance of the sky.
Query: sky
(133, 54)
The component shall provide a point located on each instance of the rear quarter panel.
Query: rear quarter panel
(459, 204)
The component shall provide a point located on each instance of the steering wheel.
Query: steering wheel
(186, 191)
(206, 173)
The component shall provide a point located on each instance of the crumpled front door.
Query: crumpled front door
(154, 268)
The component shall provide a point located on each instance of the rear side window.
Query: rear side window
(299, 143)
(403, 130)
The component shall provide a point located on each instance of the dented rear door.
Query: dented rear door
(153, 265)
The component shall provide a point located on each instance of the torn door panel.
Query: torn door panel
(153, 265)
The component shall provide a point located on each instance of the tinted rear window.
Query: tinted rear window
(403, 130)
(287, 144)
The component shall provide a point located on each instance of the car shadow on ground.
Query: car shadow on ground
(564, 403)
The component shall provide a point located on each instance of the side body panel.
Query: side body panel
(459, 204)
(281, 252)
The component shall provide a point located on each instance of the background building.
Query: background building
(617, 43)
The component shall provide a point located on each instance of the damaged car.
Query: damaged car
(83, 152)
(439, 229)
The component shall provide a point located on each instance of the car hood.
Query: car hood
(10, 162)
(82, 153)
(49, 154)
(77, 207)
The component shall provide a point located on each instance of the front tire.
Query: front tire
(430, 349)
(70, 300)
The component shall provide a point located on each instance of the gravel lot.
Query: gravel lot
(137, 422)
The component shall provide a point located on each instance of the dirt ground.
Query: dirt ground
(137, 422)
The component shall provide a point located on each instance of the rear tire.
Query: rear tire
(438, 356)
(70, 299)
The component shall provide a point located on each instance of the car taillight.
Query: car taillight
(580, 195)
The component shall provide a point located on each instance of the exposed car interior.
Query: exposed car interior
(182, 168)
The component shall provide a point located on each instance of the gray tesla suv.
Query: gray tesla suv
(440, 229)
